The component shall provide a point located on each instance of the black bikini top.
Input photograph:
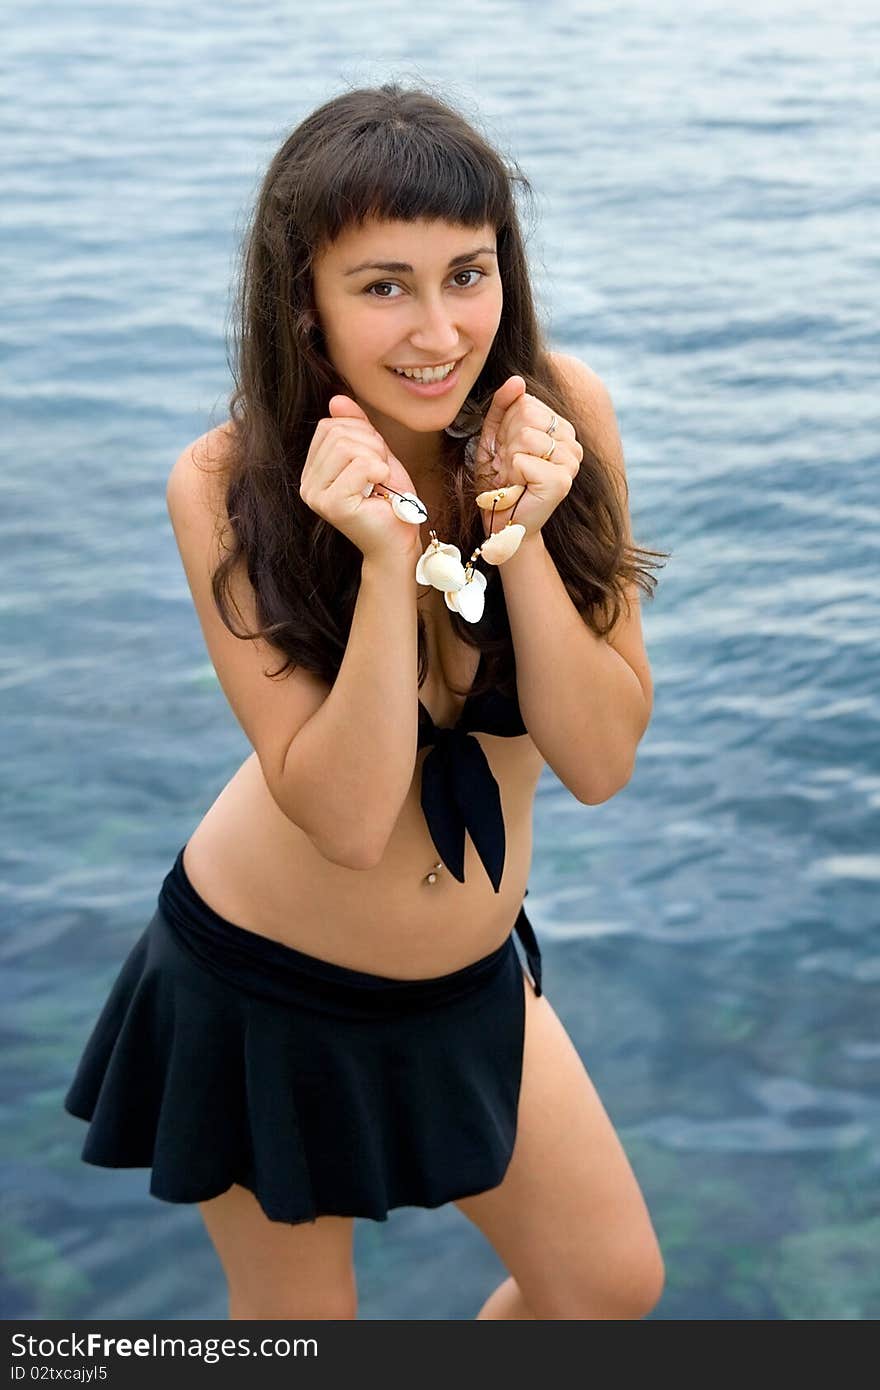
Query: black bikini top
(459, 792)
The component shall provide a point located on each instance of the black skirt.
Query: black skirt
(223, 1057)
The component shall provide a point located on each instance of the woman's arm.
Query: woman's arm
(337, 760)
(582, 703)
(586, 700)
(349, 768)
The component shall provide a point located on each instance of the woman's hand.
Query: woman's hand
(345, 457)
(512, 441)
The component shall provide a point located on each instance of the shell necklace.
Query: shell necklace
(463, 586)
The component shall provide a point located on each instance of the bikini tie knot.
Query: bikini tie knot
(459, 793)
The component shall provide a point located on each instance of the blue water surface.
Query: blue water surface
(707, 241)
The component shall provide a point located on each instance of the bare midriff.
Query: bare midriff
(259, 870)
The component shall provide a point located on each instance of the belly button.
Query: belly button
(432, 876)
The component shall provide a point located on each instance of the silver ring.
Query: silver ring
(553, 423)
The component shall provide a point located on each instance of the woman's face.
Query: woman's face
(409, 294)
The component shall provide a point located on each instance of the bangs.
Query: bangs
(402, 172)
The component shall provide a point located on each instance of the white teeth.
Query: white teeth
(426, 373)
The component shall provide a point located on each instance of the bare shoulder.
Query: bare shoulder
(585, 383)
(270, 711)
(202, 467)
(585, 386)
(570, 366)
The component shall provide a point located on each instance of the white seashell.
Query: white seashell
(409, 508)
(441, 566)
(504, 543)
(501, 498)
(470, 600)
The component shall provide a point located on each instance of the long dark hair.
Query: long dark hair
(401, 154)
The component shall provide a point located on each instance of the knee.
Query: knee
(640, 1287)
(634, 1282)
(627, 1285)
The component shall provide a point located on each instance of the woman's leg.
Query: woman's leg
(506, 1304)
(277, 1270)
(568, 1219)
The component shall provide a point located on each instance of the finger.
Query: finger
(354, 447)
(541, 417)
(507, 393)
(339, 451)
(363, 474)
(536, 441)
(356, 436)
(534, 471)
(359, 476)
(564, 429)
(359, 422)
(353, 427)
(341, 405)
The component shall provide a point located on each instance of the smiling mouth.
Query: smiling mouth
(426, 375)
(429, 387)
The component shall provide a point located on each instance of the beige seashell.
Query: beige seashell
(504, 543)
(433, 548)
(470, 600)
(440, 565)
(501, 498)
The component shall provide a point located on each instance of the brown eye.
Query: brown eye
(473, 271)
(390, 284)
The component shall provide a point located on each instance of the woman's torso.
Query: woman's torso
(262, 872)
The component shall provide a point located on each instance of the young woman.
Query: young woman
(421, 511)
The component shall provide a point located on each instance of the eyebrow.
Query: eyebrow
(401, 267)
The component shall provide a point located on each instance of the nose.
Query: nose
(434, 334)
